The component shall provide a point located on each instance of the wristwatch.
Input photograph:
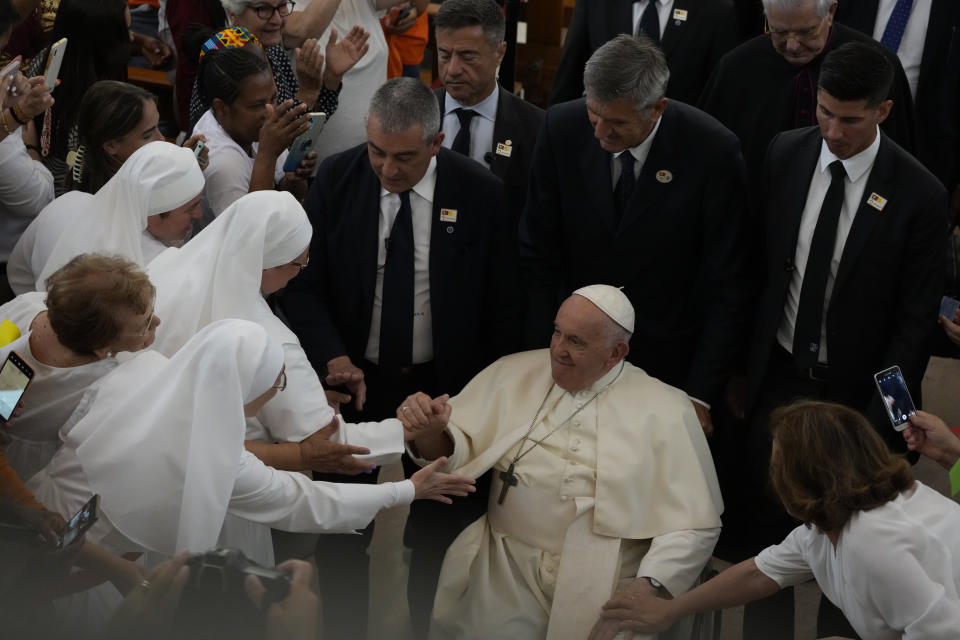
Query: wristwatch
(656, 584)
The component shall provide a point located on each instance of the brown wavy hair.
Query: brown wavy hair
(89, 298)
(828, 463)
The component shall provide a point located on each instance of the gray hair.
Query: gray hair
(235, 7)
(629, 68)
(460, 14)
(822, 6)
(617, 334)
(402, 103)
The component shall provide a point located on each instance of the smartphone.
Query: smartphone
(15, 377)
(948, 307)
(54, 60)
(79, 523)
(11, 69)
(198, 149)
(305, 142)
(895, 397)
(403, 13)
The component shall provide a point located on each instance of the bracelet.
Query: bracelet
(13, 114)
(18, 114)
(3, 121)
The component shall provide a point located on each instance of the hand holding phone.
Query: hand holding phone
(15, 377)
(54, 60)
(79, 523)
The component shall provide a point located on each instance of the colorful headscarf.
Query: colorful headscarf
(228, 39)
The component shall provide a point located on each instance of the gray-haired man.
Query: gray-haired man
(407, 287)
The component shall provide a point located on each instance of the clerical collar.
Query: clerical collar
(642, 150)
(486, 107)
(603, 381)
(856, 165)
(427, 183)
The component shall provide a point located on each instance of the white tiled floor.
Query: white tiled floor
(388, 615)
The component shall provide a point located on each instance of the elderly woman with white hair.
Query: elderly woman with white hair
(158, 179)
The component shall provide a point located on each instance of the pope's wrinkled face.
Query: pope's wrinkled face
(582, 349)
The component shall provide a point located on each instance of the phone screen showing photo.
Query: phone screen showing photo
(13, 382)
(895, 396)
(80, 522)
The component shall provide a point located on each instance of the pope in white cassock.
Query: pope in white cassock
(603, 482)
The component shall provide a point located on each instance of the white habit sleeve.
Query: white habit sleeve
(676, 559)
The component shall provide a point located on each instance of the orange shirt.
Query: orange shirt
(12, 487)
(408, 47)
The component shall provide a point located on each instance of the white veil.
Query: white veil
(156, 178)
(163, 438)
(217, 274)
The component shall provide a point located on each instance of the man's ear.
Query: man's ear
(883, 110)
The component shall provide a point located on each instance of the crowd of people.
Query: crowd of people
(607, 341)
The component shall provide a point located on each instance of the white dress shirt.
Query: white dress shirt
(914, 36)
(663, 12)
(639, 152)
(26, 187)
(421, 205)
(481, 126)
(858, 170)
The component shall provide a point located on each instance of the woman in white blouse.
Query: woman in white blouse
(883, 547)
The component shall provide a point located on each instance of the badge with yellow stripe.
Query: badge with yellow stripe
(877, 201)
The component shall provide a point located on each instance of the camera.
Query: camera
(214, 603)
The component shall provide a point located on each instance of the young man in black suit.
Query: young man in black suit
(669, 228)
(852, 239)
(407, 289)
(481, 119)
(694, 35)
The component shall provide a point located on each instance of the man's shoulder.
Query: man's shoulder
(342, 166)
(681, 120)
(908, 169)
(474, 175)
(636, 381)
(744, 57)
(524, 110)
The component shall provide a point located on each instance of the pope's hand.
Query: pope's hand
(318, 453)
(431, 484)
(422, 416)
(637, 608)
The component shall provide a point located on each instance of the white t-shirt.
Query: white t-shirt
(228, 174)
(895, 571)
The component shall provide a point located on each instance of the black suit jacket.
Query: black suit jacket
(677, 251)
(938, 90)
(472, 262)
(885, 299)
(517, 121)
(692, 46)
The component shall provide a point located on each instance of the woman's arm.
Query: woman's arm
(309, 23)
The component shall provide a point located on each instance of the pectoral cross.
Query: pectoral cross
(509, 479)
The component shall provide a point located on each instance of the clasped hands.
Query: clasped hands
(422, 415)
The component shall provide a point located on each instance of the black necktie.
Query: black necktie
(650, 22)
(625, 184)
(807, 330)
(396, 314)
(461, 144)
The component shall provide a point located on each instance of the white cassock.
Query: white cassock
(627, 488)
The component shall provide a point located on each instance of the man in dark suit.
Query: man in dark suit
(500, 129)
(408, 287)
(768, 84)
(628, 188)
(694, 35)
(928, 45)
(852, 255)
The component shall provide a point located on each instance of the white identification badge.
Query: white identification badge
(448, 215)
(505, 148)
(679, 14)
(877, 201)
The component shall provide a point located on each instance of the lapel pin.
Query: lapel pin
(664, 176)
(448, 215)
(679, 15)
(450, 229)
(505, 148)
(877, 201)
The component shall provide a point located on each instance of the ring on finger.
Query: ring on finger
(404, 409)
(146, 584)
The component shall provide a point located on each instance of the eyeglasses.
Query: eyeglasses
(800, 35)
(265, 11)
(283, 382)
(146, 329)
(301, 265)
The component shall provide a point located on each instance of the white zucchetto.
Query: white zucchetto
(612, 301)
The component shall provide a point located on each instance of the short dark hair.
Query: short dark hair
(8, 16)
(87, 298)
(109, 110)
(828, 463)
(222, 71)
(460, 14)
(857, 71)
(401, 103)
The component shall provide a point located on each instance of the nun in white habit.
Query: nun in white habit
(252, 249)
(161, 441)
(157, 178)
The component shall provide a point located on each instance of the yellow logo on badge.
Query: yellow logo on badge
(679, 14)
(504, 149)
(448, 215)
(877, 201)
